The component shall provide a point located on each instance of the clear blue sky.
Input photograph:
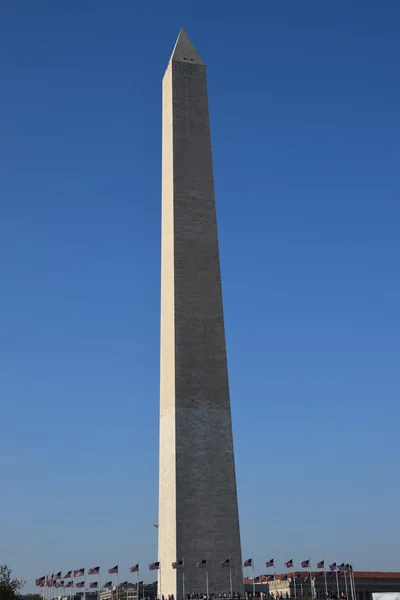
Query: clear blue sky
(304, 102)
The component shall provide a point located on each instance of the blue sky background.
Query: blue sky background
(304, 103)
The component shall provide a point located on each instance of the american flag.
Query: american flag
(40, 581)
(134, 569)
(225, 563)
(289, 564)
(80, 584)
(57, 584)
(305, 564)
(269, 563)
(342, 567)
(333, 567)
(113, 570)
(154, 566)
(49, 583)
(177, 564)
(69, 584)
(68, 575)
(94, 571)
(58, 575)
(79, 572)
(257, 579)
(202, 564)
(93, 585)
(321, 564)
(108, 584)
(123, 584)
(248, 562)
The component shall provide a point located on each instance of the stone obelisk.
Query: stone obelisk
(198, 510)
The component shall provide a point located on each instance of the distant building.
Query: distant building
(121, 592)
(366, 582)
(128, 591)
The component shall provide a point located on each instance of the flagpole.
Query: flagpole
(183, 578)
(159, 570)
(353, 597)
(206, 578)
(294, 583)
(274, 578)
(254, 581)
(230, 576)
(337, 583)
(326, 583)
(311, 582)
(138, 579)
(345, 583)
(354, 583)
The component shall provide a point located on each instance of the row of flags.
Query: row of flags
(57, 580)
(305, 564)
(81, 584)
(202, 564)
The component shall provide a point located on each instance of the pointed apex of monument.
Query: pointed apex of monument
(184, 51)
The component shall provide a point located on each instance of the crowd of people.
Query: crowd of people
(250, 596)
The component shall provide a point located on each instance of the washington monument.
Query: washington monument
(198, 510)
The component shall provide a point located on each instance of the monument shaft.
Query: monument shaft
(198, 511)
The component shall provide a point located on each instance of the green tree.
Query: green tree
(9, 588)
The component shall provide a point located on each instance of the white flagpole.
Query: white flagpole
(84, 589)
(353, 596)
(183, 578)
(117, 581)
(294, 583)
(311, 582)
(254, 580)
(337, 583)
(345, 583)
(206, 577)
(159, 570)
(326, 583)
(274, 578)
(138, 586)
(230, 577)
(99, 588)
(354, 583)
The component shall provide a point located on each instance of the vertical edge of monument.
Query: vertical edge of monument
(167, 475)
